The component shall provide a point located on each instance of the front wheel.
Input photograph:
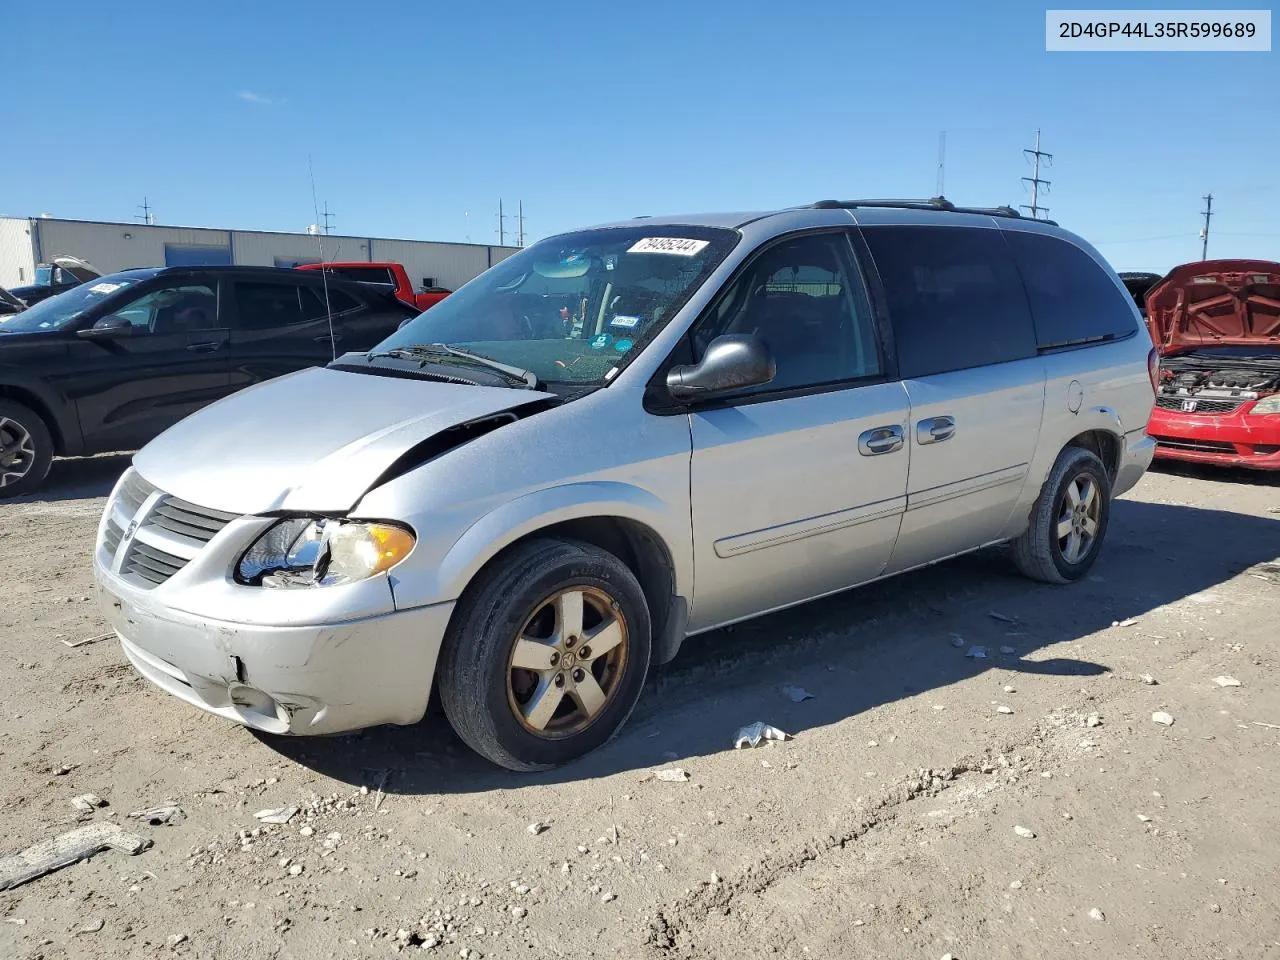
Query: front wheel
(26, 449)
(546, 656)
(1068, 521)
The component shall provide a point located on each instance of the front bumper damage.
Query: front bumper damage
(282, 679)
(1235, 439)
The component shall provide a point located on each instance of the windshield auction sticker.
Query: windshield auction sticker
(676, 245)
(1157, 30)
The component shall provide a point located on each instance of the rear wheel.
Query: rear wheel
(547, 655)
(26, 449)
(1069, 520)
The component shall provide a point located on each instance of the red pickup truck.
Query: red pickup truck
(391, 276)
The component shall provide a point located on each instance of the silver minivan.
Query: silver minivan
(616, 439)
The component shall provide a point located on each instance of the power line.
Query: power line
(1035, 180)
(1204, 232)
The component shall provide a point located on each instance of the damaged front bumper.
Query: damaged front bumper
(282, 679)
(1235, 439)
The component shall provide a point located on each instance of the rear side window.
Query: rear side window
(954, 296)
(260, 306)
(1073, 300)
(313, 306)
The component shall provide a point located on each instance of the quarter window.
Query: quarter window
(805, 299)
(954, 298)
(1073, 301)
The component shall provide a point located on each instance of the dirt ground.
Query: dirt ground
(886, 828)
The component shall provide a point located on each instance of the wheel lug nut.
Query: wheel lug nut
(577, 676)
(555, 658)
(570, 642)
(584, 653)
(559, 680)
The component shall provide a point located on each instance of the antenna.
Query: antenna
(147, 216)
(942, 164)
(324, 274)
(1035, 180)
(1204, 232)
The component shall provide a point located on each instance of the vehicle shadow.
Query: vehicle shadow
(1198, 471)
(854, 652)
(79, 478)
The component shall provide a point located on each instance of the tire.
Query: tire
(490, 699)
(1039, 553)
(27, 437)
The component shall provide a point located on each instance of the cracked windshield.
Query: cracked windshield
(571, 308)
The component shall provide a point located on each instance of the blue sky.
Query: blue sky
(420, 116)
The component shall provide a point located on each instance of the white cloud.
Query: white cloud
(250, 97)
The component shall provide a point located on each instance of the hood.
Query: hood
(1216, 303)
(315, 440)
(82, 270)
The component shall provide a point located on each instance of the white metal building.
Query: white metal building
(118, 246)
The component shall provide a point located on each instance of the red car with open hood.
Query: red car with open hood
(1216, 325)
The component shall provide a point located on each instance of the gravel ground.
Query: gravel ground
(1024, 804)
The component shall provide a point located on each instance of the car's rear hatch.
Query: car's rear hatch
(1216, 303)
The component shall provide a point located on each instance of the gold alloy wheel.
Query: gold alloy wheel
(1078, 515)
(567, 662)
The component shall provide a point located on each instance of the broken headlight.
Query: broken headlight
(1267, 405)
(306, 552)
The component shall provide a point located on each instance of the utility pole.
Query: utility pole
(520, 222)
(502, 226)
(942, 164)
(1036, 156)
(146, 216)
(327, 216)
(1204, 232)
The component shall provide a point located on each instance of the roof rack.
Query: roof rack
(931, 203)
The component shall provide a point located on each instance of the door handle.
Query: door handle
(325, 338)
(880, 440)
(207, 347)
(935, 429)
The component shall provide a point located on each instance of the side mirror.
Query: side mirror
(108, 328)
(732, 362)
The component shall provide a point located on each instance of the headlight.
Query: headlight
(305, 552)
(1269, 404)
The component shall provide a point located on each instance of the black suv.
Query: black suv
(110, 364)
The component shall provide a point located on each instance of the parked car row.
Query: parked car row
(113, 362)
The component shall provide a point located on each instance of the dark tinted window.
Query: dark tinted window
(260, 306)
(313, 302)
(1073, 300)
(806, 300)
(954, 297)
(366, 274)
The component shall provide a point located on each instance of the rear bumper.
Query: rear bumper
(1135, 458)
(1230, 440)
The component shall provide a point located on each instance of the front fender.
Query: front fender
(518, 518)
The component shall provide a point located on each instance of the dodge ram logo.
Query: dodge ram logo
(1188, 406)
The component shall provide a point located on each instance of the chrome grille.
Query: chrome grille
(1201, 406)
(187, 520)
(151, 563)
(157, 540)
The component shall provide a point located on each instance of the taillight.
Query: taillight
(1153, 369)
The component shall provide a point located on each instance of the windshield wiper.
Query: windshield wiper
(442, 352)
